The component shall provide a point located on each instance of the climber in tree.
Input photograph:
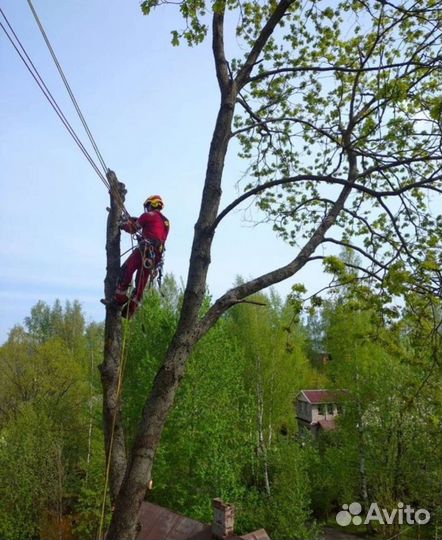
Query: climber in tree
(153, 229)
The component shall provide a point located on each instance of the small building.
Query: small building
(316, 410)
(159, 523)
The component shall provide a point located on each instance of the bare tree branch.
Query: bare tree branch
(275, 276)
(222, 72)
(334, 180)
(341, 69)
(261, 122)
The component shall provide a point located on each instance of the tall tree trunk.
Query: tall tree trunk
(110, 368)
(363, 476)
(189, 329)
(138, 473)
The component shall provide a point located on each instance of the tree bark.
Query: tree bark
(110, 368)
(158, 404)
(138, 474)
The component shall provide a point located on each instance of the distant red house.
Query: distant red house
(159, 523)
(316, 410)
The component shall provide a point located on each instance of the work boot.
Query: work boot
(120, 297)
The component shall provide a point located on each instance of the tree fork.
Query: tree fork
(157, 406)
(139, 467)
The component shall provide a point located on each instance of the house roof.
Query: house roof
(260, 534)
(321, 396)
(159, 523)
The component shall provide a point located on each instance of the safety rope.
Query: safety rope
(121, 369)
(76, 105)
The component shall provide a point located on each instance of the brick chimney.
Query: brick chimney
(223, 519)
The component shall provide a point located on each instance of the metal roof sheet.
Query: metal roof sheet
(159, 523)
(323, 396)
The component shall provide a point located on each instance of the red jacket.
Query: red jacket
(154, 226)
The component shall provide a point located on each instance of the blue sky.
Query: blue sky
(151, 108)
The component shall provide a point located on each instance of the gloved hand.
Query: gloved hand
(129, 225)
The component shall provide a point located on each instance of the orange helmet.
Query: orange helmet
(155, 202)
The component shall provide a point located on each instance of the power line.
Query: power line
(47, 93)
(52, 101)
(68, 88)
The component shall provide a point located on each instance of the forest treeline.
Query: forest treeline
(233, 431)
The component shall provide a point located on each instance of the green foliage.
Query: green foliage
(29, 473)
(238, 389)
(205, 440)
(147, 338)
(286, 513)
(199, 456)
(436, 108)
(334, 265)
(289, 508)
(89, 490)
(66, 324)
(337, 82)
(192, 11)
(276, 365)
(232, 432)
(392, 408)
(48, 398)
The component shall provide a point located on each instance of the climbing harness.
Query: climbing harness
(152, 253)
(147, 254)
